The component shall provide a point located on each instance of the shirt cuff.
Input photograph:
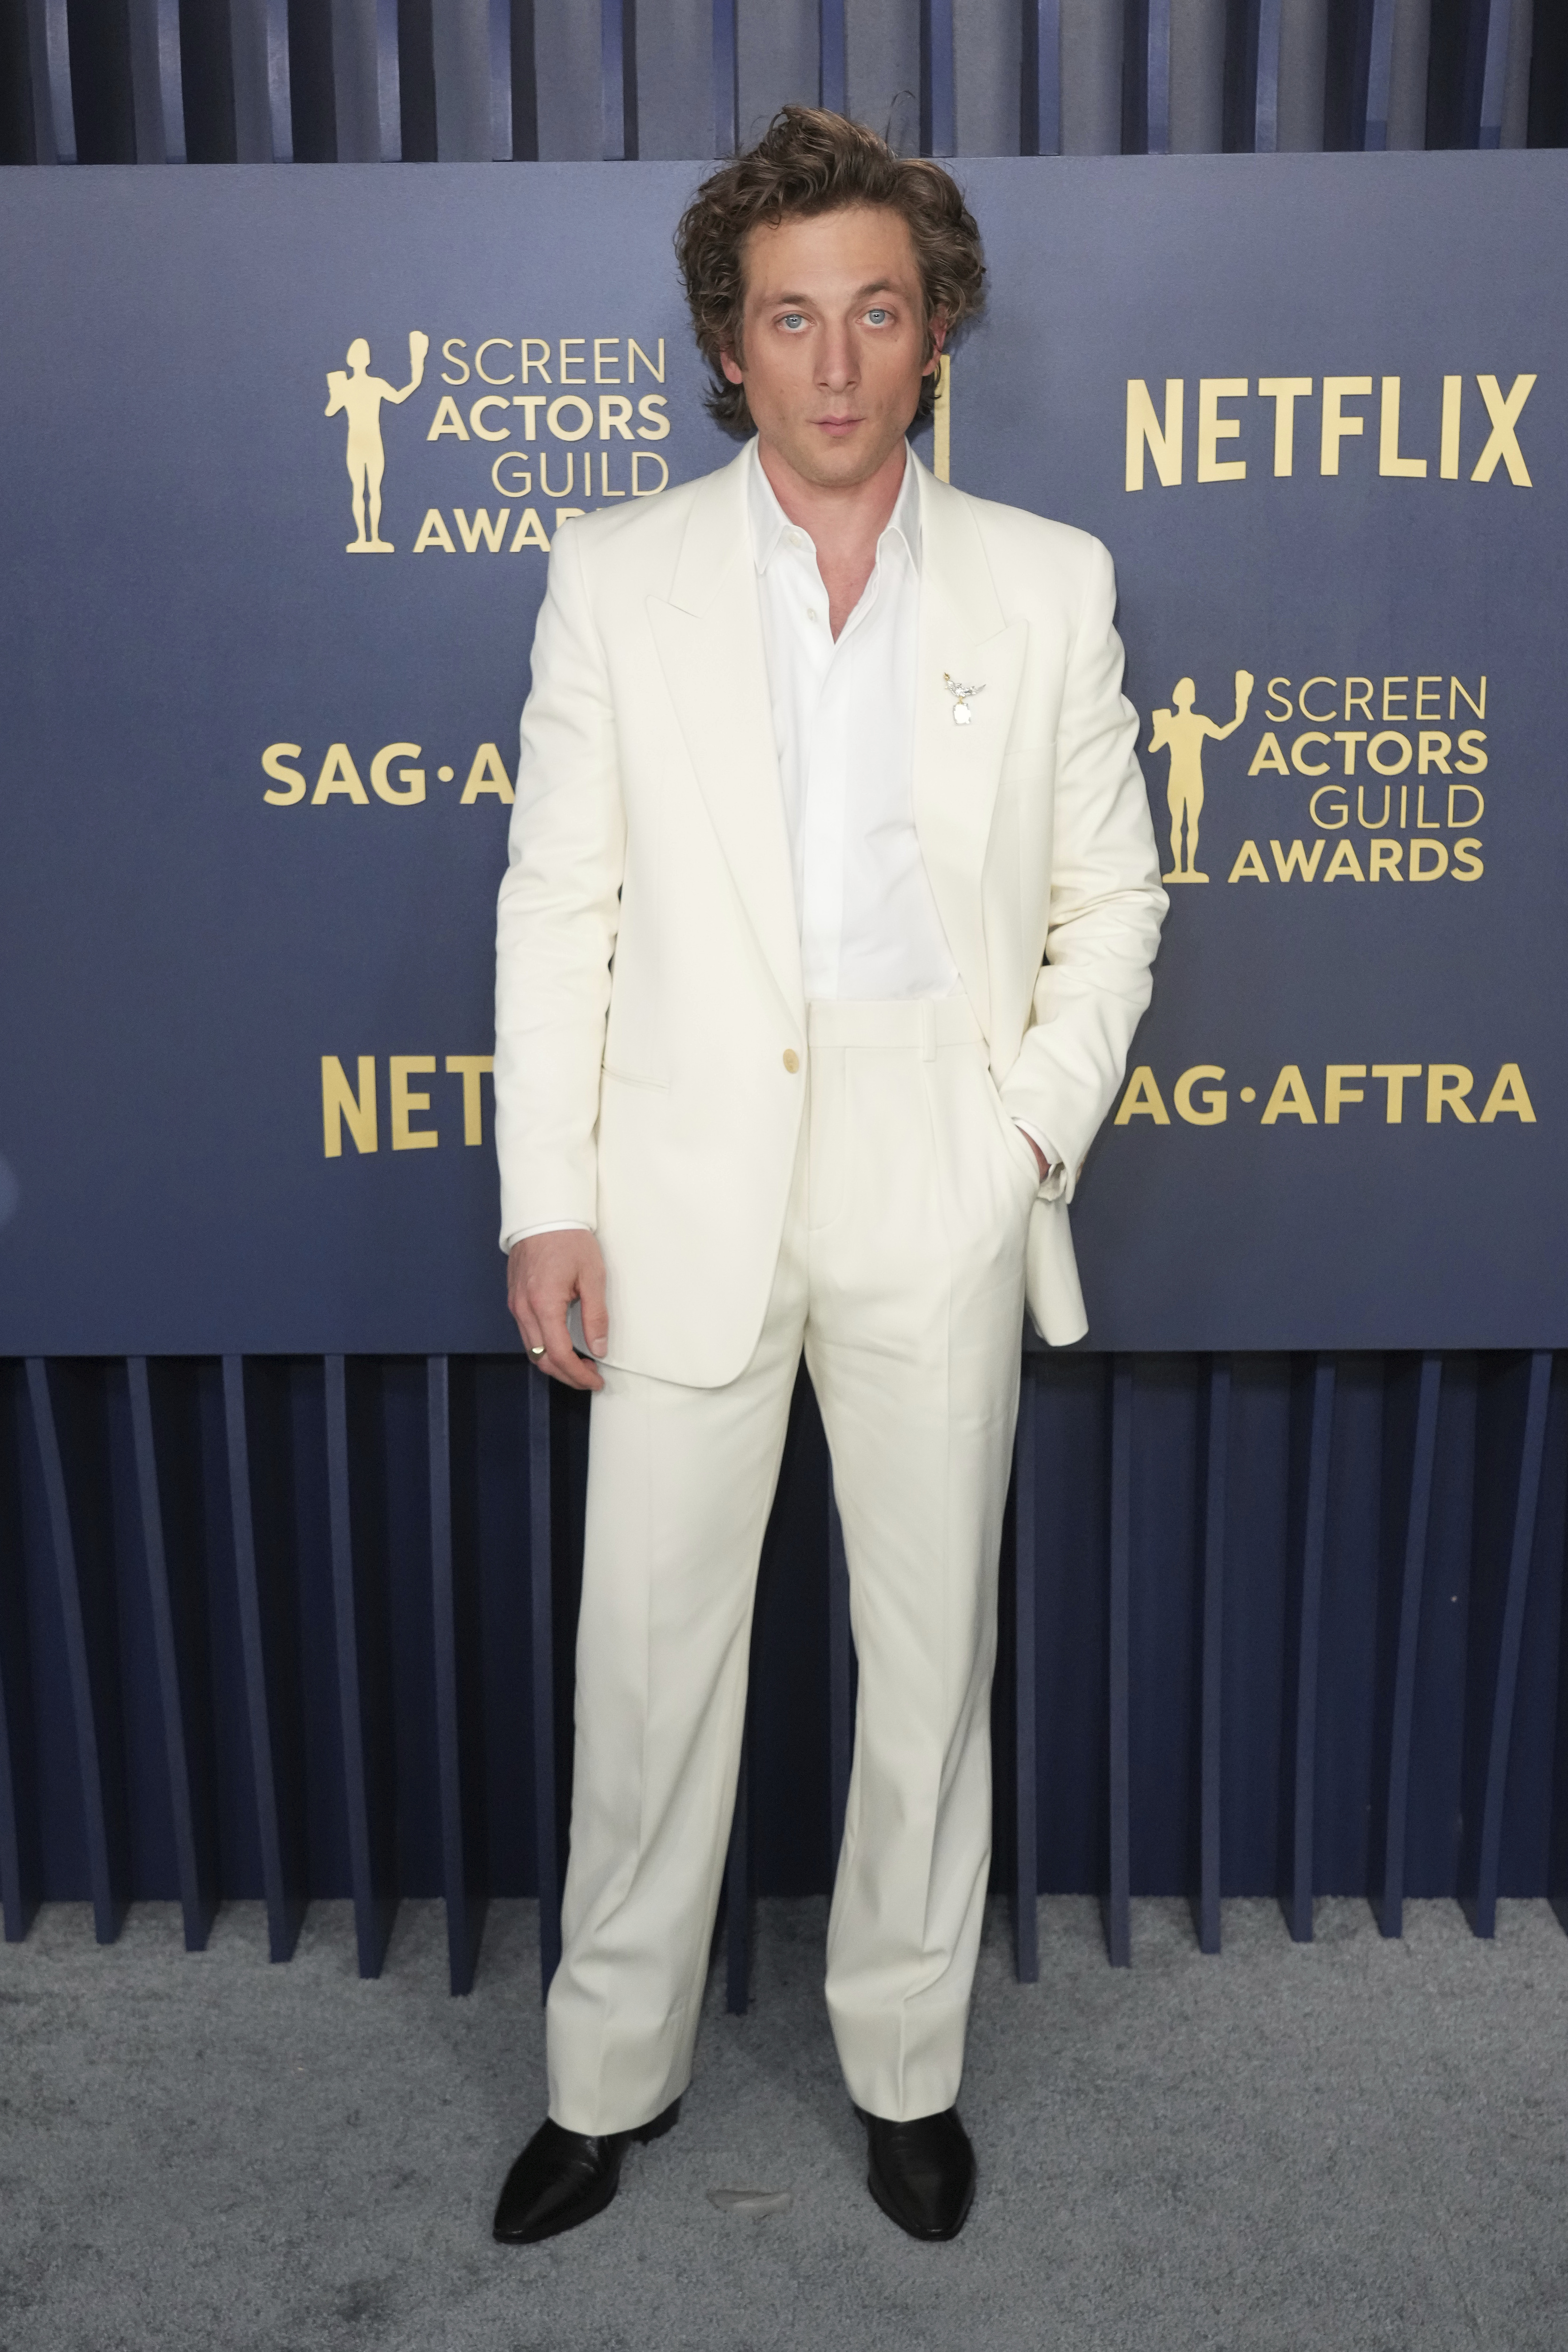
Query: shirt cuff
(1053, 1158)
(561, 1226)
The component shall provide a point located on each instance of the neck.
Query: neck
(844, 520)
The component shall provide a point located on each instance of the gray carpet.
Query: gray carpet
(1352, 2145)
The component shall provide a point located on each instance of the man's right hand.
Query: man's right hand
(543, 1275)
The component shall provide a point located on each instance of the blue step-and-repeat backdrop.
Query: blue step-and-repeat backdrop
(285, 454)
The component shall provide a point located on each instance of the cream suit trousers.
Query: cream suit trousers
(902, 1273)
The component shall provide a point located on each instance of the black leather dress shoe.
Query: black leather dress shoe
(922, 2174)
(563, 2178)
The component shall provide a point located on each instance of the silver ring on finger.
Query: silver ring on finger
(536, 1351)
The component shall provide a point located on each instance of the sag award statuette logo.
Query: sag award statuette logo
(358, 395)
(1181, 732)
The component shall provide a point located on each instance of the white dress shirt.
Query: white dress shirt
(844, 730)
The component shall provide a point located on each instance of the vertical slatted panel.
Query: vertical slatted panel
(1494, 76)
(726, 78)
(840, 1676)
(1308, 1643)
(1157, 80)
(367, 1794)
(1211, 1678)
(832, 52)
(498, 26)
(1390, 1906)
(618, 67)
(21, 1856)
(1118, 1910)
(95, 1716)
(49, 58)
(1264, 93)
(1025, 1685)
(541, 1573)
(1379, 77)
(367, 88)
(263, 103)
(1483, 1904)
(1040, 82)
(459, 1872)
(938, 105)
(278, 1808)
(157, 82)
(189, 1761)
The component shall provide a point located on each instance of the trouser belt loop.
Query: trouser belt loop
(928, 1030)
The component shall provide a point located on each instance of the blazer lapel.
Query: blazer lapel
(964, 636)
(708, 637)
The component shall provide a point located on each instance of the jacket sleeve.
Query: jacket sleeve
(557, 917)
(1106, 903)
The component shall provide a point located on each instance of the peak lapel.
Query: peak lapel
(957, 767)
(708, 637)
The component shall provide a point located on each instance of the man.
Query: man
(828, 921)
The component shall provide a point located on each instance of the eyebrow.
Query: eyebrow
(877, 285)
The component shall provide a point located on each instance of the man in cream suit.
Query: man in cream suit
(828, 919)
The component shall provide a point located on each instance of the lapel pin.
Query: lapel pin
(962, 698)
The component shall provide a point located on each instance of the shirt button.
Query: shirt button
(791, 1060)
(811, 612)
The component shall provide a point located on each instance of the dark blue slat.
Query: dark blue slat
(195, 1851)
(48, 60)
(465, 1906)
(939, 100)
(541, 1577)
(1379, 77)
(1026, 1744)
(1297, 1904)
(100, 1769)
(1266, 89)
(366, 1797)
(738, 1896)
(832, 54)
(21, 1858)
(1390, 1905)
(278, 1824)
(618, 69)
(1494, 69)
(1118, 1907)
(726, 78)
(1211, 1672)
(1483, 1909)
(840, 1673)
(1157, 81)
(1040, 125)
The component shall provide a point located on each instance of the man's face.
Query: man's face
(833, 341)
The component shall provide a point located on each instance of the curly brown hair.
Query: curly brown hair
(807, 161)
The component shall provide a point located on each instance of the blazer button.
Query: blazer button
(791, 1060)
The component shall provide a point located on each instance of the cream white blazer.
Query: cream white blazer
(650, 1025)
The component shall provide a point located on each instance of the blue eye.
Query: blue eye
(877, 317)
(792, 318)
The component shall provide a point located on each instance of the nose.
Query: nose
(837, 367)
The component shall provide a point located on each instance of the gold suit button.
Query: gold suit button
(791, 1060)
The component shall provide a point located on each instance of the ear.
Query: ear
(938, 331)
(728, 362)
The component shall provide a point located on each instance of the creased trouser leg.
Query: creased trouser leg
(902, 1268)
(680, 1482)
(912, 1340)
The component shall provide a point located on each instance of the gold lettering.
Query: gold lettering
(412, 779)
(1394, 1074)
(1389, 461)
(1143, 1100)
(1284, 391)
(1335, 1090)
(406, 1135)
(1447, 1084)
(275, 762)
(472, 1068)
(339, 1101)
(1504, 415)
(491, 343)
(1337, 426)
(1508, 1094)
(1145, 431)
(1213, 1098)
(1214, 428)
(1289, 1099)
